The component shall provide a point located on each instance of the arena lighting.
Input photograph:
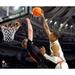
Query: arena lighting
(61, 25)
(16, 7)
(23, 8)
(71, 26)
(50, 21)
(3, 61)
(13, 16)
(66, 25)
(1, 19)
(55, 22)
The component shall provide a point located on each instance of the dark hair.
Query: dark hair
(55, 32)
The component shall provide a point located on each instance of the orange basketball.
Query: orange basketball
(37, 11)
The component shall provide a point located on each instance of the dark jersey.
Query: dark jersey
(34, 50)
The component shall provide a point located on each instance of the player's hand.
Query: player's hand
(42, 50)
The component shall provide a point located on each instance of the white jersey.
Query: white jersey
(60, 49)
(60, 61)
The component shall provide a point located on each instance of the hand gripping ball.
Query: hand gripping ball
(37, 11)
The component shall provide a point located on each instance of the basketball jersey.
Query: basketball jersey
(62, 65)
(21, 33)
(58, 60)
(60, 49)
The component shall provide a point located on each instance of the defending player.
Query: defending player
(56, 56)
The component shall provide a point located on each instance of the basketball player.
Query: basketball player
(26, 43)
(34, 50)
(56, 56)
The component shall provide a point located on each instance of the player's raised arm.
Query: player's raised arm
(30, 30)
(45, 26)
(51, 36)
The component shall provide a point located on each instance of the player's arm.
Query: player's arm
(32, 47)
(54, 59)
(49, 32)
(30, 30)
(46, 27)
(51, 36)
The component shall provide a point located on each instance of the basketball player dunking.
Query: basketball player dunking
(56, 56)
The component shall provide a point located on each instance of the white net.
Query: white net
(8, 33)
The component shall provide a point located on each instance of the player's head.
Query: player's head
(17, 23)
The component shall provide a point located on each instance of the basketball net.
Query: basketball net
(8, 33)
